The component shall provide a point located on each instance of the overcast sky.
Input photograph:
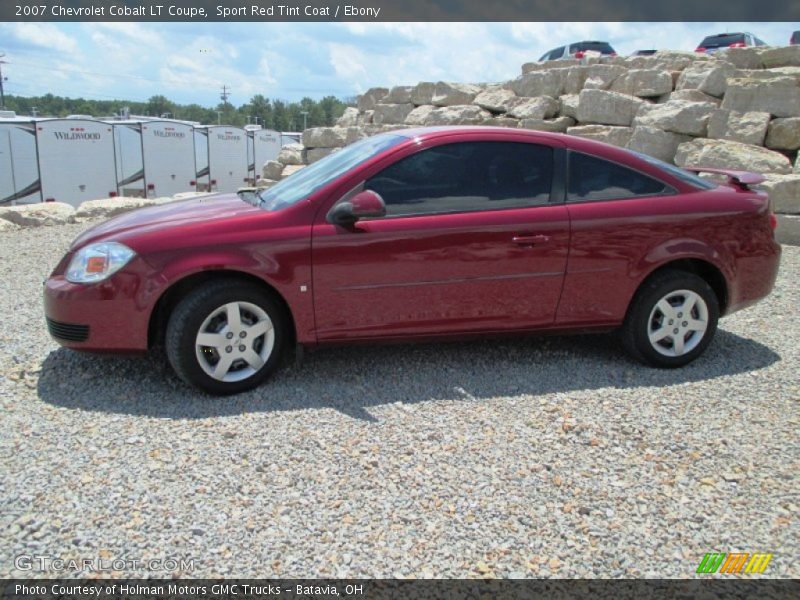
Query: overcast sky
(189, 62)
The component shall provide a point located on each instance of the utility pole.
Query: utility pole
(2, 79)
(219, 117)
(305, 118)
(34, 111)
(225, 93)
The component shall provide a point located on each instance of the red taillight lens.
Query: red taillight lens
(773, 221)
(151, 186)
(193, 182)
(737, 45)
(112, 194)
(699, 49)
(49, 199)
(579, 54)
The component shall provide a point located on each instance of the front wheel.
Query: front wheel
(225, 337)
(672, 320)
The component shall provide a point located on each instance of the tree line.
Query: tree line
(270, 114)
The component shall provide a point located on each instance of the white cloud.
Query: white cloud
(45, 35)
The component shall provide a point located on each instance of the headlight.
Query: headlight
(97, 262)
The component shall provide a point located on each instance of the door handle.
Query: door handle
(530, 240)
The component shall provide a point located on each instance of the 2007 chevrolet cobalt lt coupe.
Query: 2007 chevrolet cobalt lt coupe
(421, 234)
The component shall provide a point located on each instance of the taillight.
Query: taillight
(700, 49)
(192, 183)
(736, 45)
(773, 221)
(49, 199)
(579, 54)
(112, 194)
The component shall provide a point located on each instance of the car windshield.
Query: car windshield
(722, 40)
(677, 172)
(311, 178)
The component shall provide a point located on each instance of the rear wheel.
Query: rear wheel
(225, 337)
(672, 320)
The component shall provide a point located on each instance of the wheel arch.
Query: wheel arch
(704, 269)
(179, 288)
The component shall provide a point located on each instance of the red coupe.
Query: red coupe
(422, 234)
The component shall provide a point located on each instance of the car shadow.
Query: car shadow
(352, 379)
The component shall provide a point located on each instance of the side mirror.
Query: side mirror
(364, 205)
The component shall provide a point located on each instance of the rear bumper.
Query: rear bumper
(755, 277)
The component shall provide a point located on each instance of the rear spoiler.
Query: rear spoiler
(741, 179)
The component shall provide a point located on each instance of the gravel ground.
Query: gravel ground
(535, 457)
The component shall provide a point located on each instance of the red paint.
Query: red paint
(559, 266)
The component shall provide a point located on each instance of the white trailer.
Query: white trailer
(266, 146)
(169, 157)
(76, 160)
(129, 159)
(19, 170)
(227, 158)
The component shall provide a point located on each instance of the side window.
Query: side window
(557, 53)
(469, 176)
(592, 178)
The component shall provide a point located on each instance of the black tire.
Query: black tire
(643, 316)
(193, 310)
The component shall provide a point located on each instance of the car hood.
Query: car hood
(165, 216)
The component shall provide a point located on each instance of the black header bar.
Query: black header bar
(202, 11)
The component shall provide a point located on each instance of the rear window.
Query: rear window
(677, 172)
(723, 40)
(592, 178)
(602, 47)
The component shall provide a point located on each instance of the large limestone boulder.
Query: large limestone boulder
(542, 107)
(617, 136)
(784, 193)
(324, 137)
(7, 226)
(724, 154)
(558, 125)
(110, 207)
(272, 169)
(291, 154)
(644, 83)
(710, 78)
(36, 215)
(496, 100)
(538, 83)
(607, 108)
(399, 94)
(315, 154)
(549, 64)
(656, 142)
(419, 115)
(779, 96)
(568, 105)
(391, 114)
(291, 170)
(371, 97)
(742, 58)
(422, 93)
(784, 134)
(785, 56)
(349, 117)
(457, 115)
(454, 94)
(748, 127)
(677, 116)
(602, 77)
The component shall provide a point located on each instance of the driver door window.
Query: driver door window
(466, 177)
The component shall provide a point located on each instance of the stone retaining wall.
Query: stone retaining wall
(739, 109)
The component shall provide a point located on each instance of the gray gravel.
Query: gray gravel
(540, 457)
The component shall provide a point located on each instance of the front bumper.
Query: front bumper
(109, 316)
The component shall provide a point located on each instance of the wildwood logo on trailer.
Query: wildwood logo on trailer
(76, 133)
(228, 136)
(168, 133)
(715, 562)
